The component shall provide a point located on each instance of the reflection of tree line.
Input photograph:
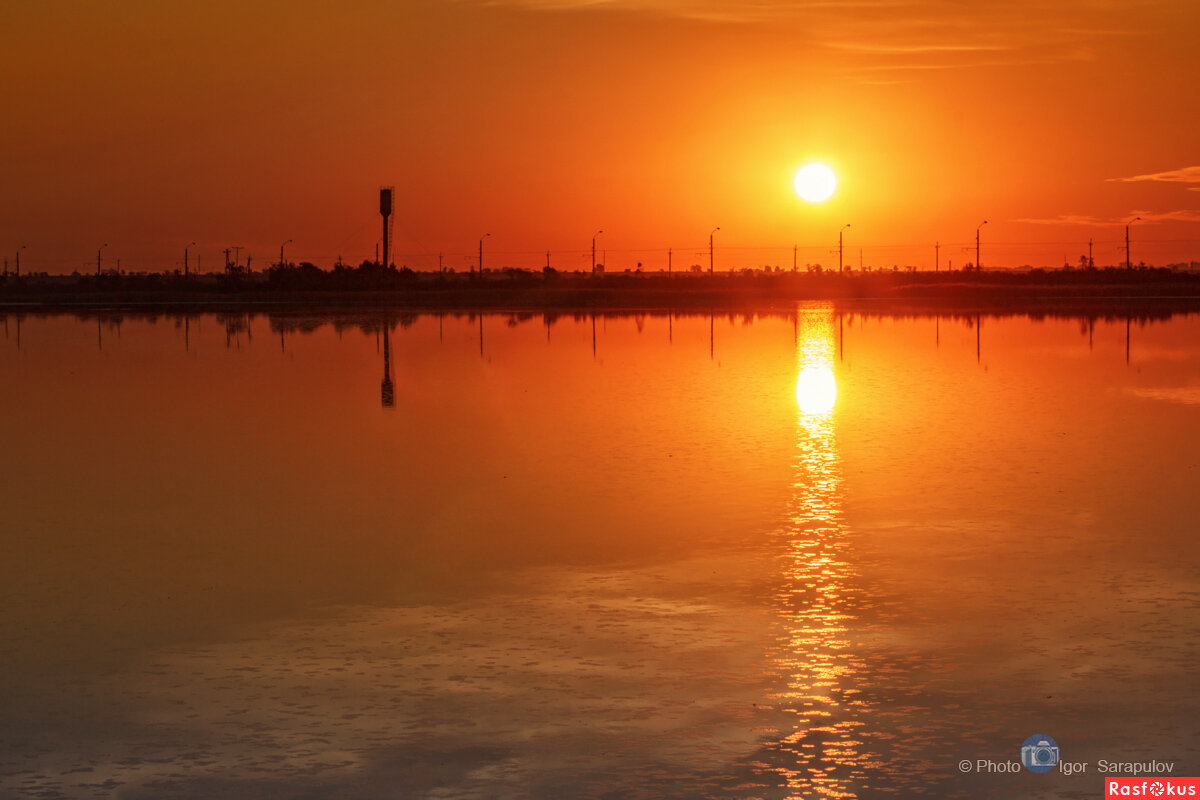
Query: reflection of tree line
(239, 324)
(367, 320)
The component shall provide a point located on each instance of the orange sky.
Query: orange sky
(148, 126)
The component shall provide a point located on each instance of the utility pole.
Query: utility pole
(594, 235)
(481, 238)
(840, 268)
(289, 241)
(978, 266)
(668, 261)
(227, 262)
(18, 265)
(440, 268)
(795, 252)
(1128, 262)
(937, 246)
(185, 259)
(101, 248)
(1091, 263)
(547, 259)
(710, 250)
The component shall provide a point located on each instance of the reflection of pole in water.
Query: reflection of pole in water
(99, 340)
(1127, 320)
(593, 335)
(481, 335)
(441, 315)
(978, 325)
(711, 318)
(937, 331)
(841, 339)
(387, 390)
(187, 344)
(670, 327)
(1091, 329)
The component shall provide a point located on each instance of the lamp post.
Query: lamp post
(185, 258)
(1128, 263)
(289, 241)
(978, 266)
(481, 238)
(840, 232)
(710, 249)
(19, 249)
(98, 251)
(594, 235)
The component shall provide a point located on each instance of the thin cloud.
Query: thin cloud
(1065, 219)
(913, 49)
(1184, 175)
(880, 28)
(1180, 215)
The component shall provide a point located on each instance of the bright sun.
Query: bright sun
(816, 390)
(815, 182)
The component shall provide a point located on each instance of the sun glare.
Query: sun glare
(816, 390)
(815, 182)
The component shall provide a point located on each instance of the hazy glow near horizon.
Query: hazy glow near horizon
(815, 183)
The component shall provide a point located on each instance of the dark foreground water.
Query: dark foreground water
(821, 553)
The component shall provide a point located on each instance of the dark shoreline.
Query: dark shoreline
(618, 292)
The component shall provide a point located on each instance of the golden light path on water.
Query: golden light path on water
(822, 754)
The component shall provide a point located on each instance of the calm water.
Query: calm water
(792, 555)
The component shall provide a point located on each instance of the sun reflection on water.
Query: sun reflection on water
(820, 752)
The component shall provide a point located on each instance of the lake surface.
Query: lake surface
(818, 552)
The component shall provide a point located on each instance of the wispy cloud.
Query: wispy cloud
(1180, 215)
(892, 33)
(1183, 175)
(1066, 219)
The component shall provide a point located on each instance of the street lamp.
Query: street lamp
(289, 241)
(594, 235)
(185, 258)
(19, 249)
(978, 266)
(98, 258)
(1128, 263)
(840, 232)
(710, 249)
(481, 238)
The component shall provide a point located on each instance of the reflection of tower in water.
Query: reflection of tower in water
(387, 390)
(820, 753)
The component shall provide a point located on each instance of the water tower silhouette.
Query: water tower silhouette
(385, 210)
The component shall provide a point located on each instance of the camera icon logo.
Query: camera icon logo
(1039, 753)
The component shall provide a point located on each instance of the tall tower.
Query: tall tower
(385, 210)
